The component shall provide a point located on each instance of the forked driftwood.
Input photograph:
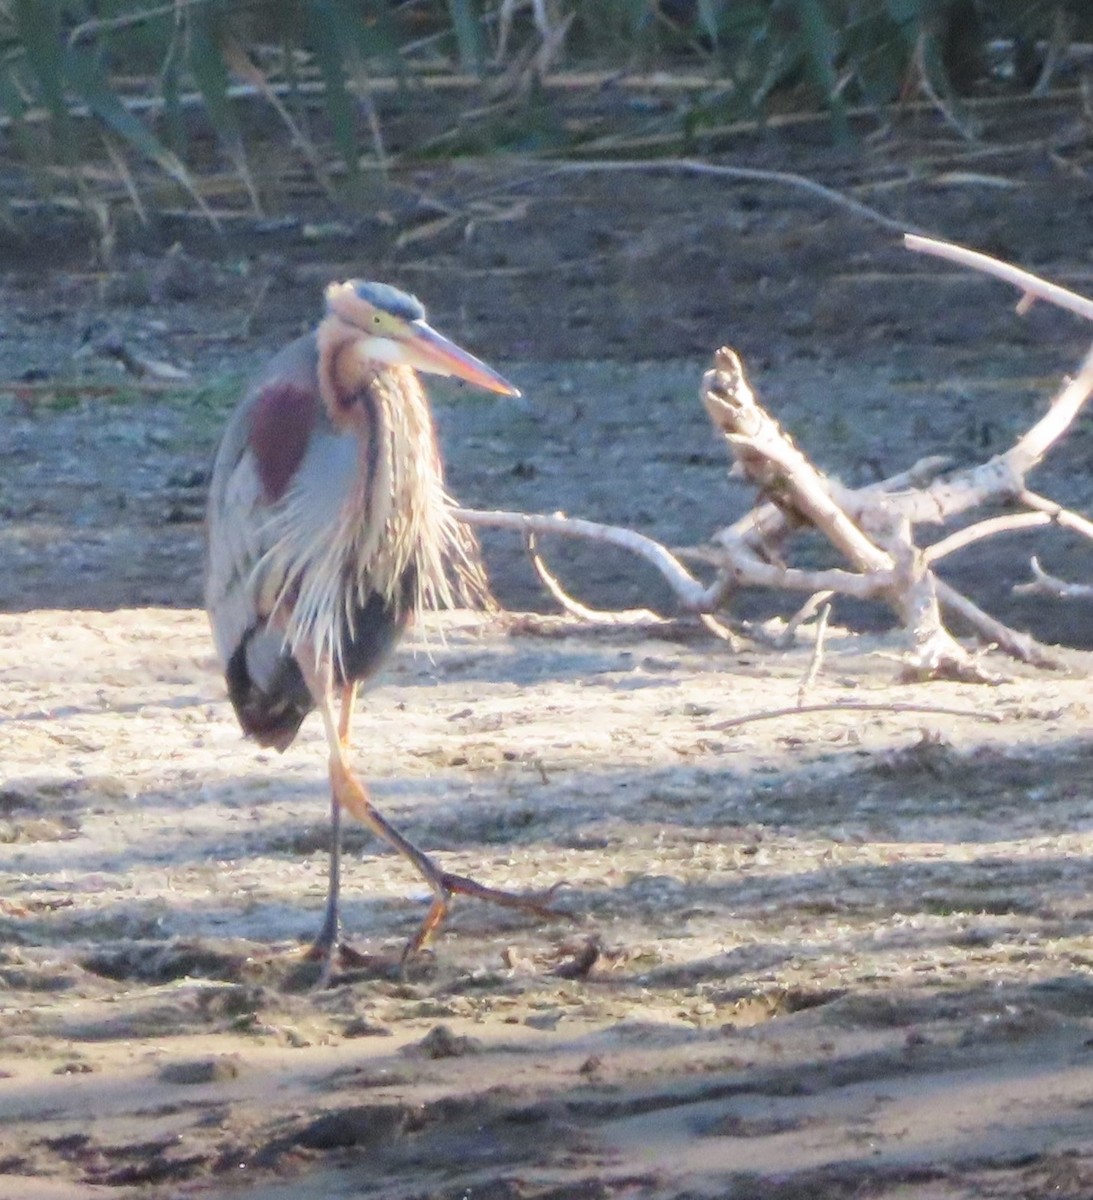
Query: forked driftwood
(876, 542)
(1043, 584)
(873, 528)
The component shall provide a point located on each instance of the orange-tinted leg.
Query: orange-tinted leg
(349, 792)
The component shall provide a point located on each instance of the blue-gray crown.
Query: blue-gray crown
(389, 300)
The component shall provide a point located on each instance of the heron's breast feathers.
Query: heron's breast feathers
(364, 514)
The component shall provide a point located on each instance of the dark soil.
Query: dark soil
(826, 956)
(603, 294)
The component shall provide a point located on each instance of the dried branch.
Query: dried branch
(721, 631)
(999, 480)
(1029, 284)
(1044, 584)
(886, 560)
(766, 524)
(1011, 523)
(1061, 516)
(1021, 646)
(871, 527)
(593, 616)
(1028, 451)
(819, 600)
(738, 564)
(771, 714)
(690, 592)
(690, 166)
(770, 460)
(817, 659)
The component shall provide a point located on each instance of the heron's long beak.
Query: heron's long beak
(427, 350)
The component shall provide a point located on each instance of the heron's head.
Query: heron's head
(390, 328)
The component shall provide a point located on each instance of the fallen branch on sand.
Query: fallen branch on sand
(859, 706)
(1044, 584)
(872, 528)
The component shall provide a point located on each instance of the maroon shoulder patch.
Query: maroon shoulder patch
(282, 420)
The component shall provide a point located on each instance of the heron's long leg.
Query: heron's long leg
(345, 725)
(327, 938)
(350, 793)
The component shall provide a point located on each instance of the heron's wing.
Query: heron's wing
(234, 545)
(279, 521)
(237, 525)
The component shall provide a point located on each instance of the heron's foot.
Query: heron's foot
(323, 953)
(326, 942)
(324, 949)
(448, 884)
(351, 794)
(321, 964)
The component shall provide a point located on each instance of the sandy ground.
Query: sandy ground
(828, 954)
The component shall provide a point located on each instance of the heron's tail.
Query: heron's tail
(267, 688)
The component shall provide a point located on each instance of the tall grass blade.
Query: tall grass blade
(88, 81)
(210, 73)
(468, 34)
(710, 15)
(821, 45)
(240, 62)
(125, 175)
(173, 123)
(326, 36)
(38, 29)
(369, 36)
(28, 141)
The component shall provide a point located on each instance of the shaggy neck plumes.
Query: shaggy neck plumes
(398, 526)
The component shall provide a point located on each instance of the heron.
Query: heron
(329, 529)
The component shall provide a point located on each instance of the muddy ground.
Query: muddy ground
(826, 955)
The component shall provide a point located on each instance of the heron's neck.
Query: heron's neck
(410, 521)
(343, 373)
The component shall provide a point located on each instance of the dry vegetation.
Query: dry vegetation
(825, 949)
(824, 952)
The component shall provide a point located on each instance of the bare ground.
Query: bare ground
(807, 956)
(829, 955)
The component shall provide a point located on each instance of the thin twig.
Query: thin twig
(40, 392)
(99, 25)
(720, 630)
(1029, 284)
(816, 601)
(687, 588)
(689, 166)
(1009, 523)
(594, 616)
(1063, 517)
(816, 661)
(1044, 584)
(771, 714)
